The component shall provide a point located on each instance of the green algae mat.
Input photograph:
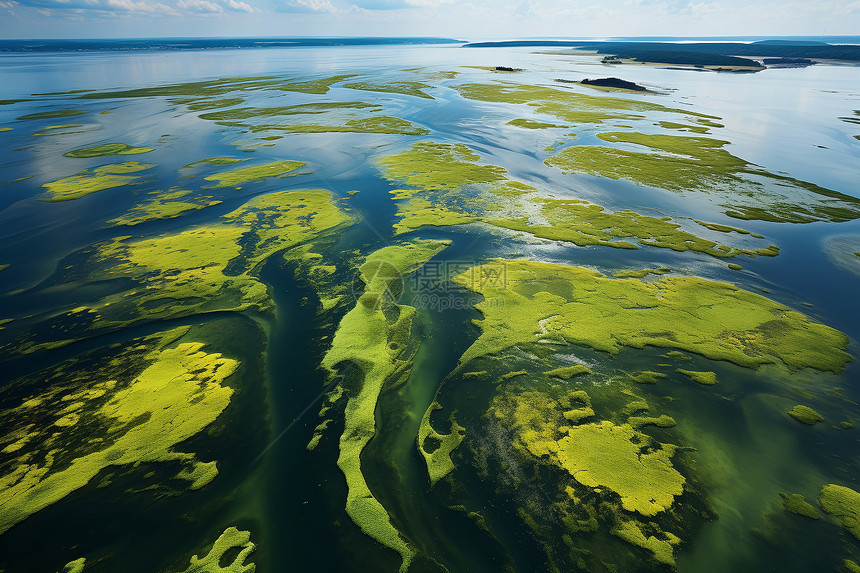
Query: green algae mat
(356, 313)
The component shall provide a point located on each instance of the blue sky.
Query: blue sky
(464, 19)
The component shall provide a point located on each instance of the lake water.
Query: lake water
(498, 509)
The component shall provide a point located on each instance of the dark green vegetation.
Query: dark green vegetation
(52, 114)
(695, 52)
(617, 83)
(108, 149)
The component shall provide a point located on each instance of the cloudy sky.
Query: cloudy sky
(463, 19)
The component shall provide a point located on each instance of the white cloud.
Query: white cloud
(428, 3)
(241, 7)
(306, 6)
(202, 6)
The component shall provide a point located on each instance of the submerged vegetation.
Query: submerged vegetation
(373, 345)
(554, 378)
(133, 400)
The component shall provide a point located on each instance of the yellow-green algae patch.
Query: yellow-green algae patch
(298, 109)
(646, 377)
(568, 372)
(377, 124)
(315, 86)
(844, 504)
(197, 104)
(374, 337)
(52, 114)
(436, 448)
(187, 272)
(683, 127)
(202, 89)
(796, 503)
(203, 269)
(727, 229)
(641, 273)
(615, 467)
(177, 393)
(228, 554)
(806, 415)
(704, 378)
(531, 124)
(607, 455)
(679, 163)
(408, 88)
(213, 161)
(450, 187)
(662, 549)
(76, 566)
(583, 224)
(526, 301)
(160, 208)
(98, 179)
(56, 129)
(565, 105)
(244, 175)
(108, 149)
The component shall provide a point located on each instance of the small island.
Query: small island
(616, 83)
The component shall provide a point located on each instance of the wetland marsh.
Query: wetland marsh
(422, 308)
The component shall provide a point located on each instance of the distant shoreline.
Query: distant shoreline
(731, 54)
(191, 44)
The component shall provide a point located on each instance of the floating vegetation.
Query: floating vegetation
(595, 474)
(371, 346)
(796, 503)
(317, 86)
(165, 206)
(843, 503)
(606, 455)
(451, 188)
(531, 124)
(232, 548)
(436, 448)
(238, 177)
(108, 149)
(581, 306)
(196, 104)
(376, 124)
(208, 268)
(679, 163)
(59, 129)
(482, 403)
(566, 105)
(407, 88)
(55, 114)
(299, 109)
(89, 181)
(203, 89)
(76, 566)
(703, 378)
(683, 127)
(131, 402)
(806, 415)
